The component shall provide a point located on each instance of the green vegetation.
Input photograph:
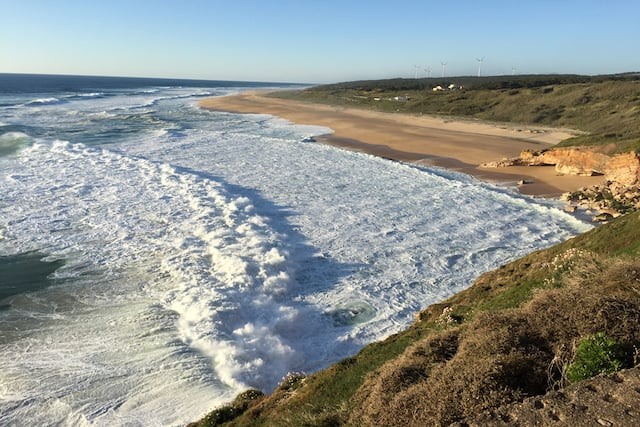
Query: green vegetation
(509, 336)
(525, 329)
(596, 354)
(228, 412)
(605, 108)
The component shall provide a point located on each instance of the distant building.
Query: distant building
(452, 86)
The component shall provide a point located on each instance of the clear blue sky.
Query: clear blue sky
(317, 41)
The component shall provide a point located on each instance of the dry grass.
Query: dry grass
(414, 367)
(506, 356)
(607, 109)
(513, 334)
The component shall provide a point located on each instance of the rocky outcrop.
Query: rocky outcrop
(624, 169)
(620, 193)
(605, 201)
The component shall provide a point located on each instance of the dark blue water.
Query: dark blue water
(25, 273)
(19, 84)
(25, 96)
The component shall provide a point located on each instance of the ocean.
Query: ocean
(156, 259)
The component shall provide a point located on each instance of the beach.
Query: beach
(456, 144)
(181, 249)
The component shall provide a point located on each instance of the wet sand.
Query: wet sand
(455, 144)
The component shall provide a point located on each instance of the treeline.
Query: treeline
(472, 82)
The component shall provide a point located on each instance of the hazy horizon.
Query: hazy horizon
(303, 84)
(318, 43)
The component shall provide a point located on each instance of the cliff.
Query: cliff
(622, 168)
(618, 195)
(498, 353)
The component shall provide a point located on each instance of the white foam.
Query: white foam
(222, 264)
(44, 101)
(90, 95)
(224, 255)
(343, 201)
(102, 115)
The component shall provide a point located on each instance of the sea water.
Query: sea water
(158, 258)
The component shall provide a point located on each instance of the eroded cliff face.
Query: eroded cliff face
(621, 168)
(620, 192)
(575, 161)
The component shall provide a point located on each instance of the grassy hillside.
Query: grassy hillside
(606, 108)
(531, 327)
(516, 332)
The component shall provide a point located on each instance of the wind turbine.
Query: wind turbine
(417, 67)
(444, 65)
(427, 71)
(513, 71)
(479, 64)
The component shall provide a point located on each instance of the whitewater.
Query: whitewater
(202, 253)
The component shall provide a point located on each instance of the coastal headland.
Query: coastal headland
(456, 144)
(506, 350)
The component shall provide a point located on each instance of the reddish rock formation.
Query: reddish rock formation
(623, 168)
(619, 194)
(575, 161)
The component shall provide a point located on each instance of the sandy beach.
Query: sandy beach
(456, 144)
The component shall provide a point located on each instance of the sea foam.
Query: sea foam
(44, 101)
(208, 252)
(11, 142)
(222, 270)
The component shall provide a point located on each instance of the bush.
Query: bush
(596, 354)
(292, 381)
(231, 411)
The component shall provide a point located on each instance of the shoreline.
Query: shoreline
(455, 144)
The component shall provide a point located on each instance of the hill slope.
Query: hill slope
(606, 108)
(514, 335)
(602, 111)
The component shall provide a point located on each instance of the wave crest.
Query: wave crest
(44, 101)
(226, 270)
(11, 142)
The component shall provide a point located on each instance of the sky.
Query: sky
(317, 41)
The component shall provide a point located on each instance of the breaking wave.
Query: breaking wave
(44, 101)
(208, 252)
(11, 142)
(204, 258)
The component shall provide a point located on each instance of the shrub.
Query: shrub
(292, 381)
(231, 411)
(596, 354)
